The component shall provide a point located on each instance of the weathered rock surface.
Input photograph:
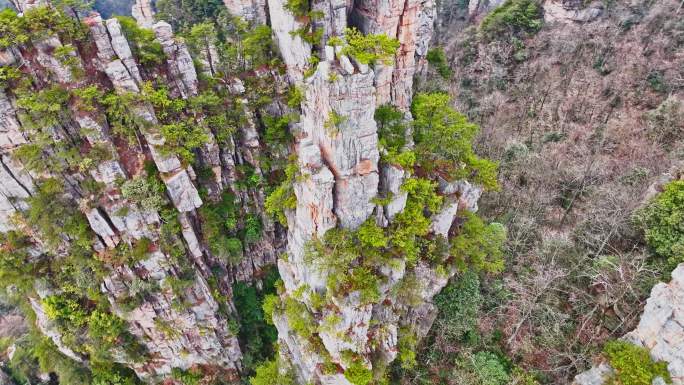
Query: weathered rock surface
(338, 159)
(250, 10)
(175, 338)
(143, 13)
(411, 23)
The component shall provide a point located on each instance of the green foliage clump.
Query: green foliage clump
(43, 108)
(119, 115)
(358, 374)
(371, 235)
(257, 335)
(219, 228)
(663, 223)
(412, 223)
(633, 364)
(182, 135)
(363, 280)
(489, 369)
(270, 304)
(276, 129)
(189, 12)
(369, 49)
(459, 306)
(258, 47)
(16, 269)
(479, 245)
(297, 7)
(437, 59)
(334, 253)
(444, 139)
(51, 360)
(283, 197)
(407, 345)
(299, 319)
(65, 310)
(53, 216)
(392, 137)
(37, 23)
(105, 327)
(187, 377)
(269, 373)
(144, 46)
(7, 75)
(253, 228)
(512, 17)
(146, 191)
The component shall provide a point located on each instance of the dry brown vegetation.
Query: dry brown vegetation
(583, 118)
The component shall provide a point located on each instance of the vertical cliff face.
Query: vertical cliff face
(154, 179)
(174, 296)
(339, 175)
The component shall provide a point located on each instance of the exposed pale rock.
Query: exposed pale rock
(476, 7)
(208, 56)
(181, 67)
(354, 321)
(303, 357)
(294, 50)
(333, 20)
(105, 51)
(107, 172)
(425, 27)
(468, 194)
(120, 77)
(198, 336)
(349, 146)
(556, 11)
(16, 185)
(129, 220)
(251, 10)
(182, 192)
(190, 236)
(441, 221)
(44, 49)
(407, 21)
(24, 5)
(120, 46)
(10, 129)
(346, 65)
(101, 227)
(329, 53)
(143, 13)
(594, 376)
(392, 178)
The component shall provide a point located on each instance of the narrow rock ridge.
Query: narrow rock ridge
(338, 159)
